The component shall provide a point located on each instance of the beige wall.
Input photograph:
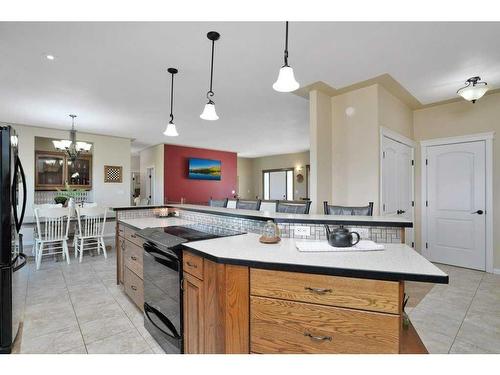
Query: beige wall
(394, 114)
(320, 136)
(250, 173)
(152, 157)
(244, 171)
(456, 119)
(355, 146)
(355, 157)
(294, 160)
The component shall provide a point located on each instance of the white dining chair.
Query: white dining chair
(90, 231)
(52, 225)
(35, 231)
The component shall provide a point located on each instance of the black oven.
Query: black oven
(163, 247)
(162, 296)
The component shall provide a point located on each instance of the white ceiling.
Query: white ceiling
(113, 75)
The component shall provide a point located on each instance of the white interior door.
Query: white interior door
(397, 181)
(456, 201)
(277, 185)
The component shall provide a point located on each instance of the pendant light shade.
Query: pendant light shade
(473, 90)
(171, 130)
(286, 79)
(209, 110)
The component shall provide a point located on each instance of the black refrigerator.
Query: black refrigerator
(13, 275)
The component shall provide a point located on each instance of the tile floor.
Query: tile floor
(78, 308)
(461, 317)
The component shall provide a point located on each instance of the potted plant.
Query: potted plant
(68, 195)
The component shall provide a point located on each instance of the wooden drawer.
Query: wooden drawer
(130, 235)
(279, 326)
(363, 294)
(133, 258)
(134, 287)
(192, 264)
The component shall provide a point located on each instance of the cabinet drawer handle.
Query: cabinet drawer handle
(133, 287)
(133, 236)
(318, 290)
(191, 265)
(317, 338)
(133, 257)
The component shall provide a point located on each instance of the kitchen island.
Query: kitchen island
(241, 296)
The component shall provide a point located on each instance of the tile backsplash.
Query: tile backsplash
(317, 231)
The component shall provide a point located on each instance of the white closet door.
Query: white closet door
(456, 187)
(397, 182)
(277, 185)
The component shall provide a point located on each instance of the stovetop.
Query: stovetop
(173, 236)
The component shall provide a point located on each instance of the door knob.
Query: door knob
(479, 212)
(400, 212)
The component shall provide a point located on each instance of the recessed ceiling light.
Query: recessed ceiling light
(50, 57)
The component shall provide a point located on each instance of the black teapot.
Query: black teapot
(341, 237)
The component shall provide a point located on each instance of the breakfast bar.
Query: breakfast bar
(238, 295)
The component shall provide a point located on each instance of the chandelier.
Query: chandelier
(72, 147)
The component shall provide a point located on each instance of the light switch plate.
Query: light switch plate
(301, 231)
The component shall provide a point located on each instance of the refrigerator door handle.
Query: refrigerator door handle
(18, 169)
(23, 179)
(22, 264)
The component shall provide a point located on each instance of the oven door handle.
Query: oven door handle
(148, 309)
(170, 261)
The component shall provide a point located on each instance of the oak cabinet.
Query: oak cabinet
(129, 264)
(216, 302)
(193, 315)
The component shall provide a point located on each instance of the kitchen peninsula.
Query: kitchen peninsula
(241, 296)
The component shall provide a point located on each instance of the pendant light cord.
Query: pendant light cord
(172, 99)
(286, 43)
(210, 93)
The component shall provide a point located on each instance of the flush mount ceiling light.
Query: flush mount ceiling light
(473, 90)
(286, 79)
(71, 146)
(209, 110)
(171, 130)
(50, 57)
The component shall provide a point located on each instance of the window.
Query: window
(278, 184)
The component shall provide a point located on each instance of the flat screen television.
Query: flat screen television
(204, 169)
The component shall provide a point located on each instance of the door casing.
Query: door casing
(488, 139)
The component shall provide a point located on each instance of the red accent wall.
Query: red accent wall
(176, 184)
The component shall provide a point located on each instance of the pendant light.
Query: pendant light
(473, 90)
(286, 79)
(209, 110)
(171, 130)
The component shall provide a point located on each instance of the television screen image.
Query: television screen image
(204, 169)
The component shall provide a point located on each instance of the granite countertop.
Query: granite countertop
(396, 262)
(288, 218)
